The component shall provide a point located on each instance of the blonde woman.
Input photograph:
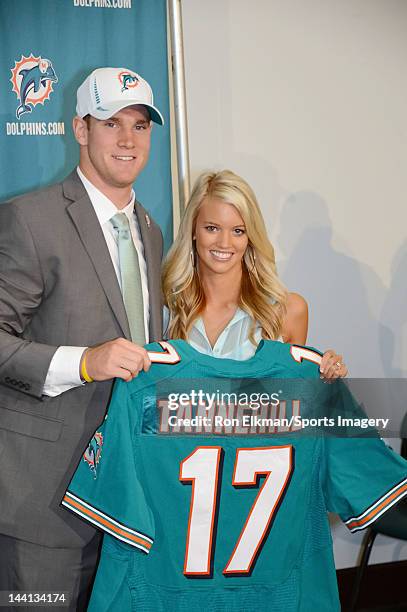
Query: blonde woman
(219, 278)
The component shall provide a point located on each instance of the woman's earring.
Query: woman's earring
(251, 256)
(192, 256)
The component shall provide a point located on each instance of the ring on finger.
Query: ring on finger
(338, 364)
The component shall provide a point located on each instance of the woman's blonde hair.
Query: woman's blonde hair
(262, 295)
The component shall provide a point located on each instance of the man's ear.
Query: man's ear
(80, 130)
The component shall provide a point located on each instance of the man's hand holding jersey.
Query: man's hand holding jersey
(117, 358)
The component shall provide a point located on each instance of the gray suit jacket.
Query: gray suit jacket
(57, 287)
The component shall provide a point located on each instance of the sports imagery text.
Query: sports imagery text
(223, 413)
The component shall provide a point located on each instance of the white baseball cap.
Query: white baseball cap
(107, 90)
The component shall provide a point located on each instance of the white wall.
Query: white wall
(307, 100)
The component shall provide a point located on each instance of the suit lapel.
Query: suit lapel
(87, 225)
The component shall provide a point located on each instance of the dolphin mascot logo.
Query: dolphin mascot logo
(33, 79)
(93, 452)
(32, 82)
(127, 80)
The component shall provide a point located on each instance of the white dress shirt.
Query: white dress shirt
(63, 372)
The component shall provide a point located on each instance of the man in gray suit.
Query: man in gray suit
(78, 283)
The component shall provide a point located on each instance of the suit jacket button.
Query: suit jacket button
(21, 384)
(7, 379)
(27, 386)
(13, 381)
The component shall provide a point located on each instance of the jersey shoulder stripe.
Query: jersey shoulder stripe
(168, 356)
(299, 353)
(374, 511)
(105, 522)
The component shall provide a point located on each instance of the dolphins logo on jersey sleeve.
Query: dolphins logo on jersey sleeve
(93, 453)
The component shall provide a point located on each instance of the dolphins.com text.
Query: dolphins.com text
(32, 128)
(119, 4)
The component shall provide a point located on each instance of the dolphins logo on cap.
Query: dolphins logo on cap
(128, 80)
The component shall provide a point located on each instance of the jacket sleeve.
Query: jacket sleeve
(23, 363)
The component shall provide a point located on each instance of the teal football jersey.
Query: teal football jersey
(205, 506)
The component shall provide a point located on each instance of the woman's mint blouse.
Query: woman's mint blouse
(233, 342)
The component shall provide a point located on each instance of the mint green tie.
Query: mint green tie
(131, 278)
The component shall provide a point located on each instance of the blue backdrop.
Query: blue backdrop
(76, 36)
